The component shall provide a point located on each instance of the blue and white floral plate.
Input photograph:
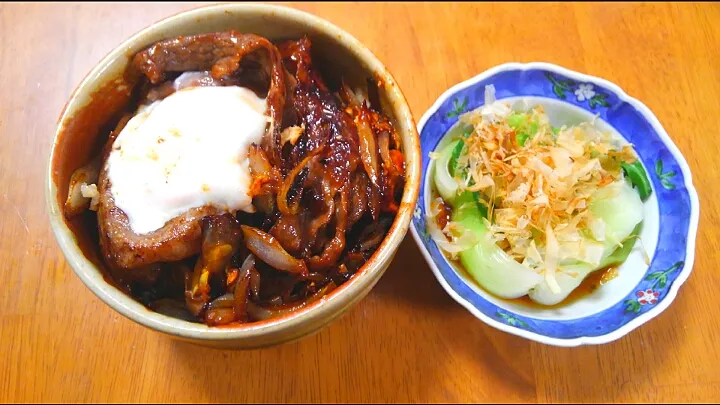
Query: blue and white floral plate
(640, 292)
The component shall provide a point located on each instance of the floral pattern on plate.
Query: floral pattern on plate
(668, 172)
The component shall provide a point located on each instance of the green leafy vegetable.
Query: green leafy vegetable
(521, 138)
(487, 263)
(621, 254)
(472, 197)
(617, 210)
(638, 177)
(457, 150)
(621, 208)
(444, 180)
(516, 120)
(523, 128)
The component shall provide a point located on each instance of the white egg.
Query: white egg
(188, 150)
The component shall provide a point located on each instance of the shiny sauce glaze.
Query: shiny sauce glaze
(162, 287)
(587, 287)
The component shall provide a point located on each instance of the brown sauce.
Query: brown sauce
(443, 217)
(82, 137)
(84, 134)
(588, 286)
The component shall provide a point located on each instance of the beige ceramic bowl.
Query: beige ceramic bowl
(103, 93)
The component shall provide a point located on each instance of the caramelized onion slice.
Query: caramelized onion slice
(324, 217)
(221, 237)
(358, 199)
(373, 199)
(287, 230)
(255, 284)
(268, 249)
(368, 148)
(334, 249)
(219, 316)
(241, 296)
(223, 301)
(384, 144)
(282, 200)
(76, 203)
(266, 177)
(260, 313)
(259, 163)
(194, 303)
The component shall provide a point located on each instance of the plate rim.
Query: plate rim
(664, 137)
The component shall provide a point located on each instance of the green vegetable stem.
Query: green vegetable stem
(639, 178)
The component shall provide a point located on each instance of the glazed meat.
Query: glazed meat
(325, 182)
(221, 54)
(123, 249)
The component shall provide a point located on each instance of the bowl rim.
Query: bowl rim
(318, 314)
(664, 137)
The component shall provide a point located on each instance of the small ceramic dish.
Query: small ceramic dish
(640, 292)
(104, 92)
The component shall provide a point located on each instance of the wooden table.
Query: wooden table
(408, 340)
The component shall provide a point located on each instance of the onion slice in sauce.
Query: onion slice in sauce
(260, 313)
(76, 203)
(269, 250)
(368, 149)
(282, 202)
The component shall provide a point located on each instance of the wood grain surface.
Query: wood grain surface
(408, 340)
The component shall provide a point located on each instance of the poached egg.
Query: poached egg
(186, 151)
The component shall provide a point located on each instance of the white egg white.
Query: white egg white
(186, 151)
